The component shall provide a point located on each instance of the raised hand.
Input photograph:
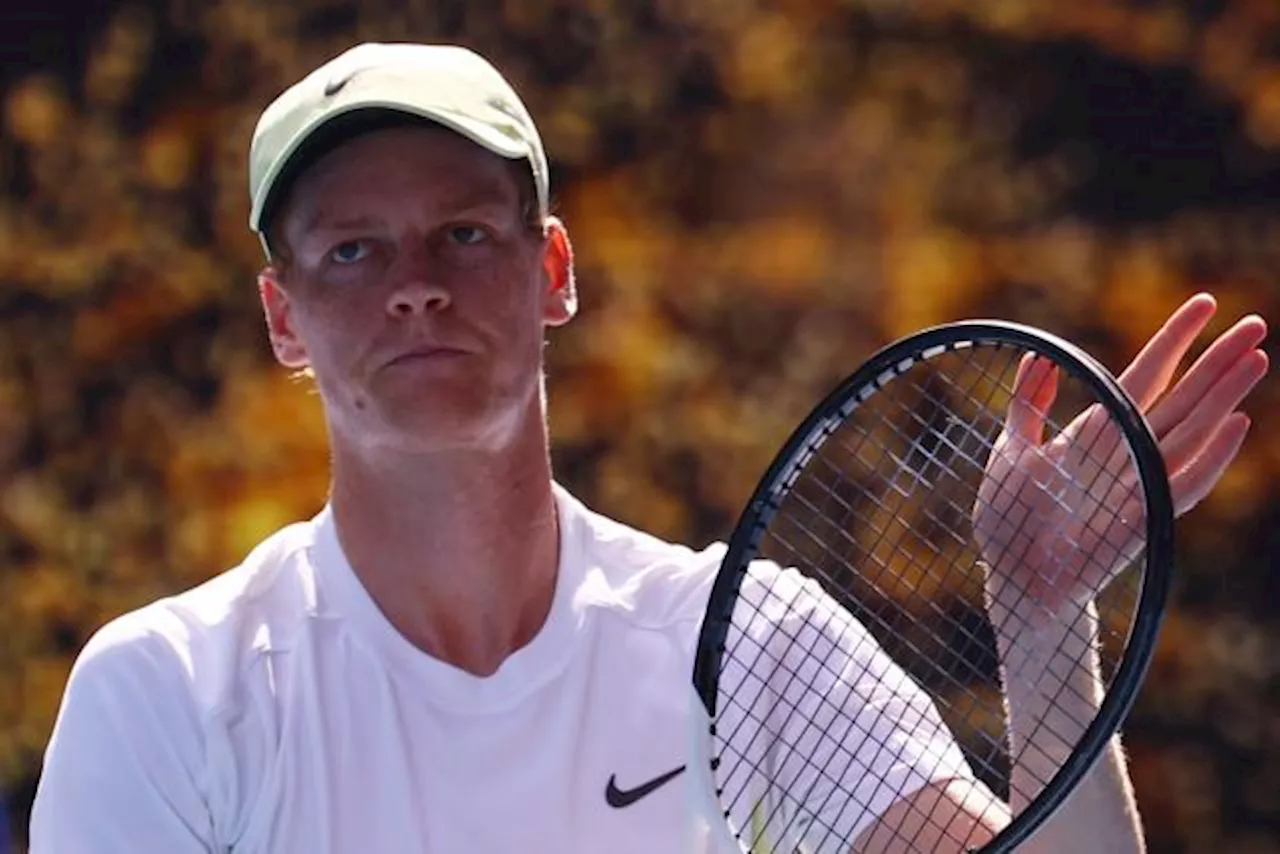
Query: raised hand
(1057, 516)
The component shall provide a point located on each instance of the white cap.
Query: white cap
(450, 85)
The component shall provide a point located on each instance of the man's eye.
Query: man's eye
(349, 252)
(467, 234)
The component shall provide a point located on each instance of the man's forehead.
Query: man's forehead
(332, 211)
(444, 175)
(340, 215)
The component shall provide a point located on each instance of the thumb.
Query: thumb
(1035, 387)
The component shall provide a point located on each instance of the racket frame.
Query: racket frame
(883, 366)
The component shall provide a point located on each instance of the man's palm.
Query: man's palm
(1057, 516)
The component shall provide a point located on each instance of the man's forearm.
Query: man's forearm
(1054, 687)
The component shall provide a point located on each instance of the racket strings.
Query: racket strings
(1066, 543)
(984, 441)
(876, 615)
(904, 642)
(850, 510)
(827, 775)
(892, 585)
(1103, 429)
(823, 771)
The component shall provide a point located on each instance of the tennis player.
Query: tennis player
(456, 654)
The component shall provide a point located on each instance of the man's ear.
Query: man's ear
(276, 306)
(560, 299)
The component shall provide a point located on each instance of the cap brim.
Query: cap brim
(359, 116)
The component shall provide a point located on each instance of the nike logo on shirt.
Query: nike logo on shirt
(619, 798)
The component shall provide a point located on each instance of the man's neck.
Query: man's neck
(459, 551)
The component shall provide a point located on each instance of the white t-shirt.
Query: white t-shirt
(274, 709)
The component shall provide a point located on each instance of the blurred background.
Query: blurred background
(760, 193)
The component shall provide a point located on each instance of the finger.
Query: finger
(1184, 441)
(1034, 389)
(1221, 357)
(1149, 373)
(1191, 483)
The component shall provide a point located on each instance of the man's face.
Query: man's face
(415, 289)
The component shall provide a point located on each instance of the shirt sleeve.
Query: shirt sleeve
(831, 731)
(123, 767)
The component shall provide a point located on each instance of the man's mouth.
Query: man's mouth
(426, 353)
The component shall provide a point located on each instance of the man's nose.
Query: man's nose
(417, 289)
(417, 296)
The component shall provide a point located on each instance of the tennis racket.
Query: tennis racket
(852, 602)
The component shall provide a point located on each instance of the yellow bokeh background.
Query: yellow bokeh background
(760, 195)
